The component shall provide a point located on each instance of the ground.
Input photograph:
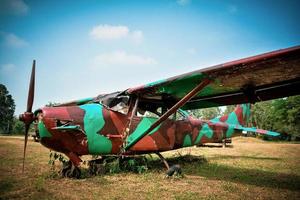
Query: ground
(249, 169)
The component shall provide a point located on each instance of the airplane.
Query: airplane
(152, 118)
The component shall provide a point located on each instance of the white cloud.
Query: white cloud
(183, 2)
(11, 40)
(122, 58)
(14, 7)
(137, 36)
(109, 32)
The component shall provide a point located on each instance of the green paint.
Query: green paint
(93, 123)
(181, 86)
(43, 130)
(205, 130)
(232, 119)
(232, 122)
(83, 101)
(187, 142)
(253, 129)
(144, 124)
(230, 130)
(155, 83)
(73, 127)
(183, 112)
(246, 112)
(215, 120)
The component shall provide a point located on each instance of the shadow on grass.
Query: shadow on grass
(6, 185)
(249, 176)
(198, 165)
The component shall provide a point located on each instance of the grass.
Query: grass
(251, 169)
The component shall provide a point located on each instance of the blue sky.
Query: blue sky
(84, 48)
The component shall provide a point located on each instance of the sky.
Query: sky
(85, 48)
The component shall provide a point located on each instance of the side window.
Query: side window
(143, 113)
(181, 114)
(120, 104)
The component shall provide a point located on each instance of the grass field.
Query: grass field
(251, 169)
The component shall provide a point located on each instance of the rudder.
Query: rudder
(240, 115)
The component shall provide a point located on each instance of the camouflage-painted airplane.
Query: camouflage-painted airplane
(113, 124)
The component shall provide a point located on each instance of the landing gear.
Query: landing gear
(70, 171)
(96, 167)
(164, 160)
(173, 170)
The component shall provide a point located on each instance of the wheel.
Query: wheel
(96, 167)
(73, 173)
(174, 170)
(70, 171)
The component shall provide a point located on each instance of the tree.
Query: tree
(18, 127)
(281, 115)
(207, 113)
(229, 109)
(7, 109)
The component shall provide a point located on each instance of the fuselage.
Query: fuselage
(95, 129)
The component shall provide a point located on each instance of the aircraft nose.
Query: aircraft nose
(41, 128)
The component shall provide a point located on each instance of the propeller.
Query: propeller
(28, 116)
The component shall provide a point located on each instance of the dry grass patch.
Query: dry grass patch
(251, 169)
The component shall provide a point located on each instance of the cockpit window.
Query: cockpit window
(179, 115)
(121, 107)
(114, 101)
(183, 113)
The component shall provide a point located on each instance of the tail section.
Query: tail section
(238, 119)
(240, 116)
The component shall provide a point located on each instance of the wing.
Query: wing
(263, 77)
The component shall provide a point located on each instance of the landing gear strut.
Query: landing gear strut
(173, 170)
(70, 171)
(164, 160)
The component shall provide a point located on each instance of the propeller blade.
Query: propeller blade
(28, 116)
(31, 89)
(25, 144)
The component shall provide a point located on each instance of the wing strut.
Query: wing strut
(179, 104)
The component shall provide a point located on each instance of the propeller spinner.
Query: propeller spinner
(28, 116)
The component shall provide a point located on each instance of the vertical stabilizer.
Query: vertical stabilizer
(240, 116)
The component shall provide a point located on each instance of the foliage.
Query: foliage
(114, 165)
(281, 115)
(229, 109)
(7, 109)
(18, 126)
(207, 113)
(54, 156)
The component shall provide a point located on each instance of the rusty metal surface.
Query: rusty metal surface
(270, 75)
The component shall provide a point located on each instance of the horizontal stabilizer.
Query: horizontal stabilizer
(260, 131)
